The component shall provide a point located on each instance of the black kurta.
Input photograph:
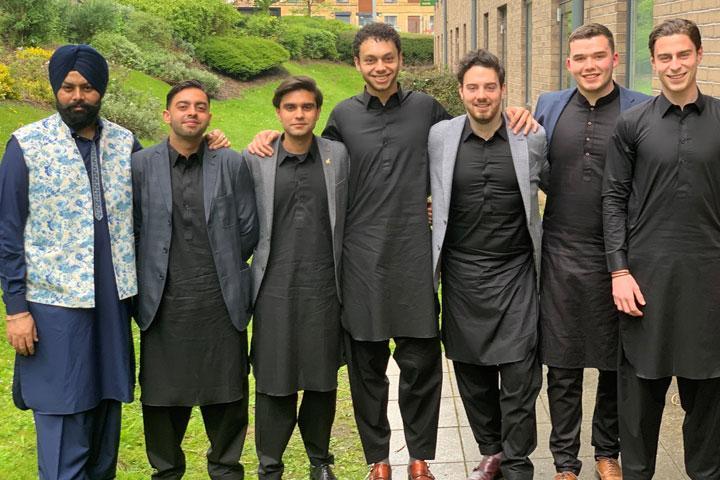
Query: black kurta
(296, 328)
(490, 309)
(387, 262)
(579, 321)
(661, 209)
(191, 354)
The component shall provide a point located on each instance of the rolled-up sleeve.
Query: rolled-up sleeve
(13, 215)
(617, 187)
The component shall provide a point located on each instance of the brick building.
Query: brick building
(413, 16)
(530, 37)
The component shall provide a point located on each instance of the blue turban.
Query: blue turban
(82, 58)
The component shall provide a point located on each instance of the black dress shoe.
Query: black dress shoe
(323, 472)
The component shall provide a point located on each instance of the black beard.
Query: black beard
(78, 120)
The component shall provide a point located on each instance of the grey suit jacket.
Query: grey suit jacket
(336, 164)
(531, 168)
(231, 219)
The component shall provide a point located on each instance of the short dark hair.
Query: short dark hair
(592, 30)
(675, 26)
(184, 85)
(377, 31)
(297, 82)
(480, 58)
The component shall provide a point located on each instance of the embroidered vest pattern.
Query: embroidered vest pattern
(59, 233)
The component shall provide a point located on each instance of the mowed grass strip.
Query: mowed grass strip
(240, 118)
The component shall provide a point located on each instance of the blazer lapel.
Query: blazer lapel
(328, 165)
(519, 151)
(269, 171)
(210, 172)
(450, 149)
(161, 165)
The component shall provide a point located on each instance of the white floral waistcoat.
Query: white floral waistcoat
(59, 234)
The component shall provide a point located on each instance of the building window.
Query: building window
(502, 33)
(431, 23)
(486, 31)
(473, 24)
(640, 24)
(565, 20)
(364, 19)
(464, 45)
(414, 22)
(342, 1)
(528, 54)
(457, 46)
(390, 1)
(391, 20)
(343, 16)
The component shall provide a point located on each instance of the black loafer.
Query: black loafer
(322, 472)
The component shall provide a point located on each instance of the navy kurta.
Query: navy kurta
(84, 355)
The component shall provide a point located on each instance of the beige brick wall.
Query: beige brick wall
(547, 59)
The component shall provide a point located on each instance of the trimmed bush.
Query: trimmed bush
(344, 46)
(241, 57)
(118, 49)
(144, 29)
(304, 42)
(442, 85)
(264, 26)
(135, 110)
(417, 49)
(334, 26)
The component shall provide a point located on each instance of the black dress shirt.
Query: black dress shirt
(578, 316)
(661, 208)
(387, 262)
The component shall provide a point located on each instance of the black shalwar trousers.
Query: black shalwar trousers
(564, 389)
(641, 403)
(502, 418)
(419, 393)
(226, 426)
(275, 420)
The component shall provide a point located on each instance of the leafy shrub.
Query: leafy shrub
(344, 46)
(417, 49)
(29, 69)
(133, 109)
(191, 21)
(242, 57)
(334, 26)
(83, 20)
(28, 22)
(145, 29)
(304, 42)
(440, 84)
(7, 85)
(259, 25)
(118, 49)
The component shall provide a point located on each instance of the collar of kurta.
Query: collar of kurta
(666, 106)
(371, 101)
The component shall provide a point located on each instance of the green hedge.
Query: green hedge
(442, 85)
(304, 42)
(417, 49)
(241, 57)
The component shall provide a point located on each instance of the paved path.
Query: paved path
(457, 452)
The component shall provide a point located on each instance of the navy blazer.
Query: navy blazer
(230, 215)
(550, 105)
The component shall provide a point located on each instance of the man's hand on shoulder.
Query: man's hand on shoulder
(261, 145)
(520, 119)
(216, 140)
(21, 333)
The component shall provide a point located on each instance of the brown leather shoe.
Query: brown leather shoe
(380, 471)
(565, 476)
(419, 470)
(608, 468)
(488, 469)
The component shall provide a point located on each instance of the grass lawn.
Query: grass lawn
(240, 118)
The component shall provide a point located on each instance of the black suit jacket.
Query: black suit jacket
(230, 215)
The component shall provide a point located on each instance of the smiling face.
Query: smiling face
(675, 59)
(188, 114)
(591, 63)
(379, 63)
(482, 94)
(298, 113)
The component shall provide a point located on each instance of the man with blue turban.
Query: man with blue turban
(67, 270)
